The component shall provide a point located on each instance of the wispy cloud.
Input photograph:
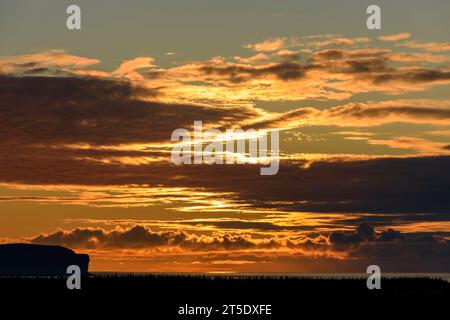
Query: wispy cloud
(428, 46)
(395, 37)
(268, 45)
(128, 68)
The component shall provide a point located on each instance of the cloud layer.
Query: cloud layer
(73, 134)
(387, 248)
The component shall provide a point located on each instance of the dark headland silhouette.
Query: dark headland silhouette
(21, 260)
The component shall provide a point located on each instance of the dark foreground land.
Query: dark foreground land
(161, 297)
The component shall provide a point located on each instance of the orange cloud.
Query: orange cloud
(273, 44)
(128, 68)
(256, 57)
(428, 46)
(362, 114)
(395, 37)
(420, 145)
(44, 61)
(331, 40)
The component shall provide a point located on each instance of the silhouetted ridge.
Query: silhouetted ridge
(20, 259)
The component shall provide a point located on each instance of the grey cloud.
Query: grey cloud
(364, 232)
(412, 76)
(142, 237)
(49, 110)
(390, 235)
(286, 70)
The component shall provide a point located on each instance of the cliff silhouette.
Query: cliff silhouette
(21, 260)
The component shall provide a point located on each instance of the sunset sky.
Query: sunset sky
(86, 118)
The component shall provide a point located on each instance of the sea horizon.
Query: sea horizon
(346, 275)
